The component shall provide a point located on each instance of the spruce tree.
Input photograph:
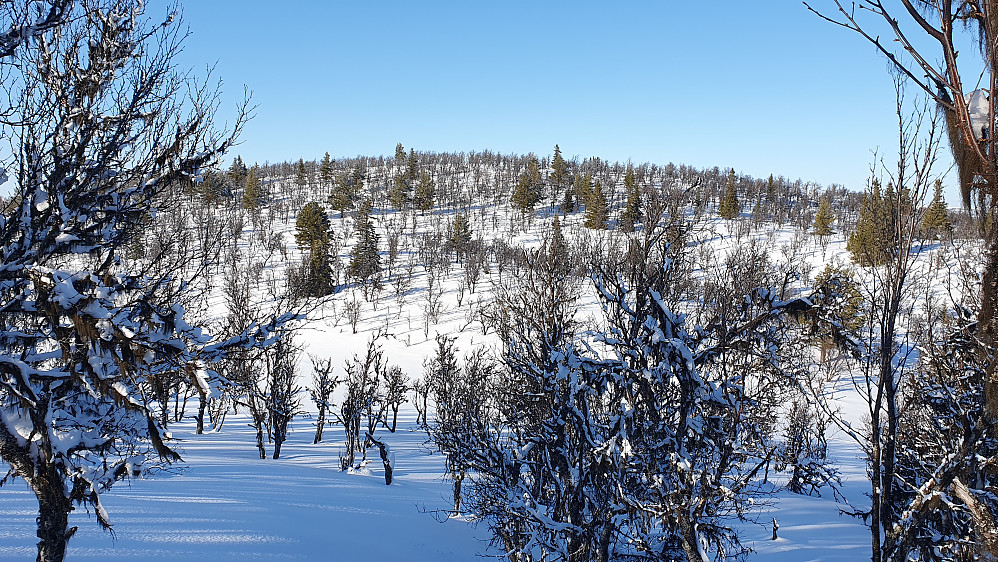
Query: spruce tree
(398, 193)
(936, 221)
(460, 237)
(730, 207)
(559, 171)
(597, 211)
(237, 171)
(632, 209)
(326, 171)
(346, 188)
(253, 192)
(301, 178)
(557, 248)
(426, 192)
(823, 219)
(312, 227)
(312, 231)
(365, 260)
(870, 241)
(528, 189)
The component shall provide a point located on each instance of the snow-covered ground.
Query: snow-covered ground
(227, 504)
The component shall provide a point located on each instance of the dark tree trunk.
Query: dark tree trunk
(53, 518)
(320, 422)
(202, 405)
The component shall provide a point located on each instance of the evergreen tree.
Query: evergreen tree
(412, 167)
(874, 237)
(326, 171)
(426, 192)
(729, 207)
(312, 227)
(460, 237)
(568, 201)
(557, 249)
(559, 171)
(936, 220)
(301, 178)
(597, 211)
(398, 193)
(823, 219)
(312, 231)
(528, 189)
(365, 260)
(345, 190)
(253, 192)
(237, 171)
(632, 210)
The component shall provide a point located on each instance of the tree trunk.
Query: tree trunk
(320, 422)
(53, 519)
(202, 405)
(259, 440)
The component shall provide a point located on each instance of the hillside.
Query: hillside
(224, 502)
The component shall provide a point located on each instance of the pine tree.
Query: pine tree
(326, 171)
(730, 207)
(253, 193)
(568, 203)
(632, 209)
(559, 171)
(412, 167)
(460, 237)
(426, 192)
(557, 248)
(312, 227)
(870, 242)
(312, 231)
(936, 220)
(365, 260)
(237, 171)
(398, 193)
(301, 177)
(346, 188)
(528, 189)
(597, 212)
(823, 219)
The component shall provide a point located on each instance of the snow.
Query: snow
(225, 503)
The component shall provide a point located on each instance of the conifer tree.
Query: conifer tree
(528, 189)
(557, 249)
(253, 193)
(460, 237)
(398, 193)
(326, 171)
(426, 192)
(365, 260)
(568, 203)
(312, 230)
(412, 167)
(312, 227)
(632, 209)
(936, 220)
(301, 178)
(346, 188)
(729, 207)
(597, 212)
(870, 242)
(559, 171)
(823, 219)
(237, 171)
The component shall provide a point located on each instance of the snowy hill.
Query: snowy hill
(225, 503)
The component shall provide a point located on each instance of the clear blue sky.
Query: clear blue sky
(764, 87)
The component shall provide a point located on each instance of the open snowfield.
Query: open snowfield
(227, 504)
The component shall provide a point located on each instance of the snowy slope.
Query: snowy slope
(227, 504)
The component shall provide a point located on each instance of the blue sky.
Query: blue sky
(762, 86)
